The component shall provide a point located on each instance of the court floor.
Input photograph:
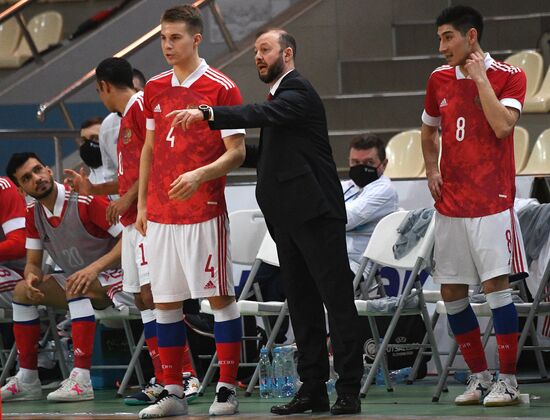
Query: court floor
(407, 402)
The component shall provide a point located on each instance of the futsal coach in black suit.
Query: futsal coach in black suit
(301, 198)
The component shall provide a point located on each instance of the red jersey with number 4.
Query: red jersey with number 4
(477, 168)
(130, 142)
(177, 151)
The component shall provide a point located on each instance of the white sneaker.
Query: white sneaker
(503, 393)
(16, 390)
(167, 405)
(74, 388)
(191, 385)
(148, 395)
(477, 387)
(225, 403)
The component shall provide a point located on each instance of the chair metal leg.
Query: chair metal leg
(131, 366)
(209, 374)
(445, 374)
(418, 359)
(430, 333)
(9, 364)
(538, 353)
(380, 357)
(63, 366)
(132, 347)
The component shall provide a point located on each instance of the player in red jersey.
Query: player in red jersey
(181, 208)
(12, 239)
(116, 90)
(476, 101)
(74, 231)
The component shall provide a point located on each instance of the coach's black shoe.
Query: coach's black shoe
(346, 404)
(303, 402)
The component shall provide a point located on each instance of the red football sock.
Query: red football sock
(171, 364)
(83, 342)
(152, 345)
(187, 362)
(472, 350)
(507, 352)
(26, 337)
(229, 356)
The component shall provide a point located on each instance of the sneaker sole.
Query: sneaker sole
(223, 414)
(156, 416)
(501, 403)
(469, 402)
(137, 402)
(70, 399)
(7, 400)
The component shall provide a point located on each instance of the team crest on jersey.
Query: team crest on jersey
(127, 135)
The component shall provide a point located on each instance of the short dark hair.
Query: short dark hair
(462, 18)
(16, 161)
(140, 76)
(186, 13)
(91, 121)
(368, 141)
(285, 39)
(116, 71)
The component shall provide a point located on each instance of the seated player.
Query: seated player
(117, 92)
(74, 231)
(12, 240)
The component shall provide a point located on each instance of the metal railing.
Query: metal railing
(15, 11)
(135, 46)
(55, 135)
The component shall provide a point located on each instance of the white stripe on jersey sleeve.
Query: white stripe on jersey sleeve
(33, 243)
(13, 224)
(429, 120)
(511, 103)
(227, 133)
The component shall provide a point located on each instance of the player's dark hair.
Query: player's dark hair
(91, 121)
(462, 18)
(116, 71)
(141, 77)
(186, 13)
(368, 141)
(16, 161)
(285, 39)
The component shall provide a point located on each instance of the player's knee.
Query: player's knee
(220, 302)
(495, 285)
(452, 292)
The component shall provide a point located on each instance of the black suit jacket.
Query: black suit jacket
(297, 177)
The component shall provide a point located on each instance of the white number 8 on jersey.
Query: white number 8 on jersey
(460, 128)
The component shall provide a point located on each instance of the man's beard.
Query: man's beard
(274, 71)
(45, 193)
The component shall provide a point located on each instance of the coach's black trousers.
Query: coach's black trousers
(315, 271)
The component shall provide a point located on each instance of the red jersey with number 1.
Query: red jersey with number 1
(130, 142)
(477, 168)
(176, 151)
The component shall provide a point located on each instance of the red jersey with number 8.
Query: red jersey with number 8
(176, 151)
(477, 168)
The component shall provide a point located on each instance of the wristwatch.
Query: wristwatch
(206, 111)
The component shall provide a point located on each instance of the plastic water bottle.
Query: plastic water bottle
(398, 376)
(289, 384)
(333, 376)
(278, 373)
(266, 374)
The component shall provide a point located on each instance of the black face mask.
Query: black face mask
(363, 175)
(90, 154)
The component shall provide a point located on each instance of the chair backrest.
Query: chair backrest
(380, 247)
(404, 153)
(532, 63)
(268, 251)
(539, 161)
(10, 35)
(46, 29)
(247, 229)
(521, 147)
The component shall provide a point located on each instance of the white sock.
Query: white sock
(225, 384)
(509, 377)
(27, 376)
(177, 390)
(485, 375)
(82, 373)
